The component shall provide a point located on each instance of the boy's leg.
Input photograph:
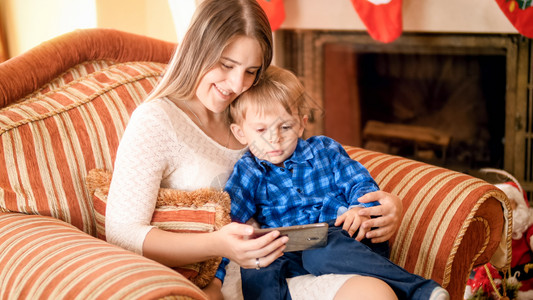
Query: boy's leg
(345, 255)
(271, 282)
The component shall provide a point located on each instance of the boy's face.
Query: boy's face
(272, 135)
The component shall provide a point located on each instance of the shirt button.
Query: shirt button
(282, 170)
(299, 190)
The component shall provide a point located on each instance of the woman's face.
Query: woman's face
(233, 74)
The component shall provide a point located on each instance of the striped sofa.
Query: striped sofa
(63, 108)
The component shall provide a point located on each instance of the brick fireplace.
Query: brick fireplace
(474, 88)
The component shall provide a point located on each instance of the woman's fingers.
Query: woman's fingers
(266, 244)
(267, 260)
(381, 234)
(266, 248)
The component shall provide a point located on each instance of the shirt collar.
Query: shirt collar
(302, 153)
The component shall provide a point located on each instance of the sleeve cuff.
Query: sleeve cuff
(221, 271)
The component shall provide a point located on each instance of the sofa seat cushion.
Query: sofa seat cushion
(55, 136)
(45, 258)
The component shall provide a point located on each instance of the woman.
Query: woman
(179, 139)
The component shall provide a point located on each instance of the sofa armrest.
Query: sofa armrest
(45, 258)
(451, 221)
(25, 73)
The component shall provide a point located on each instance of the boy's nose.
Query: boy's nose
(274, 137)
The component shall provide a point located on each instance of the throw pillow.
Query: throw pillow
(202, 210)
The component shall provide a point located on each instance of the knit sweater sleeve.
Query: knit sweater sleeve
(142, 158)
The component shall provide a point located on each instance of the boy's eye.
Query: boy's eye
(286, 127)
(260, 130)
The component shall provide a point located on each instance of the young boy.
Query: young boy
(283, 180)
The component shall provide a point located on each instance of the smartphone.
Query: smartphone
(301, 237)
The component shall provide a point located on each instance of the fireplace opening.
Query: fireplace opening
(444, 108)
(476, 89)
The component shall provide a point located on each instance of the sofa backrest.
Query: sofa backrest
(50, 139)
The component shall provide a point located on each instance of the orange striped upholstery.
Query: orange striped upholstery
(52, 139)
(45, 258)
(445, 229)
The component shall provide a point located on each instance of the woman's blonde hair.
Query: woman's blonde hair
(278, 86)
(214, 25)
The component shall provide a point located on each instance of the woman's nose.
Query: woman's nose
(236, 81)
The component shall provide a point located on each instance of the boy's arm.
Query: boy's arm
(352, 177)
(241, 189)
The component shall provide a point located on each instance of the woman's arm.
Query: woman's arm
(388, 215)
(177, 249)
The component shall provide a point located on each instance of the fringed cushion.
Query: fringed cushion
(51, 140)
(45, 258)
(203, 210)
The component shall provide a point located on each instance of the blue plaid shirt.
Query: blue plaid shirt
(318, 183)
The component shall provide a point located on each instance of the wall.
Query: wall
(30, 22)
(479, 16)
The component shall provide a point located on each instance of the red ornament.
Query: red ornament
(275, 11)
(520, 13)
(382, 18)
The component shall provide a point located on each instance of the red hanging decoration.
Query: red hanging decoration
(275, 11)
(520, 13)
(382, 18)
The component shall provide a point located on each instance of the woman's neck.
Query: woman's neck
(212, 124)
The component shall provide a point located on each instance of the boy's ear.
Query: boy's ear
(303, 123)
(238, 133)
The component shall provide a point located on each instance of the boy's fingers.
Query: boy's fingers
(340, 220)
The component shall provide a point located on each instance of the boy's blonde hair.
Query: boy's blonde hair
(215, 24)
(278, 86)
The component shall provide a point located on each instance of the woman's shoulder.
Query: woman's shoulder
(158, 112)
(159, 106)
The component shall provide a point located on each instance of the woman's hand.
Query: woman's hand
(236, 244)
(388, 215)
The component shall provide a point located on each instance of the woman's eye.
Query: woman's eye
(225, 66)
(260, 130)
(252, 72)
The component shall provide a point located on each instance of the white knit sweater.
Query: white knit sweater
(161, 147)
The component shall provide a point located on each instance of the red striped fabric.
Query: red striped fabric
(440, 209)
(54, 137)
(45, 258)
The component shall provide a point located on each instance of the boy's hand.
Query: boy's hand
(351, 221)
